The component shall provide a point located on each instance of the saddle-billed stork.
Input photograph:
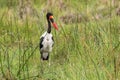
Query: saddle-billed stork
(46, 40)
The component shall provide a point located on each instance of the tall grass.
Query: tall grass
(83, 51)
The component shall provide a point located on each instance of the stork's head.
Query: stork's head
(50, 18)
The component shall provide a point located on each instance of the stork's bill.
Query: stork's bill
(53, 23)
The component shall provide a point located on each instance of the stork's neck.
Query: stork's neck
(49, 26)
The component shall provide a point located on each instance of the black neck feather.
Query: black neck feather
(49, 26)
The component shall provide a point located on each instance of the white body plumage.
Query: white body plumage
(46, 44)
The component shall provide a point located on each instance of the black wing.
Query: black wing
(41, 40)
(53, 41)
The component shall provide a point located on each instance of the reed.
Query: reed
(85, 50)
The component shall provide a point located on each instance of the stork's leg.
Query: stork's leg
(49, 62)
(41, 66)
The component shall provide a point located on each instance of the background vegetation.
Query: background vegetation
(87, 45)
